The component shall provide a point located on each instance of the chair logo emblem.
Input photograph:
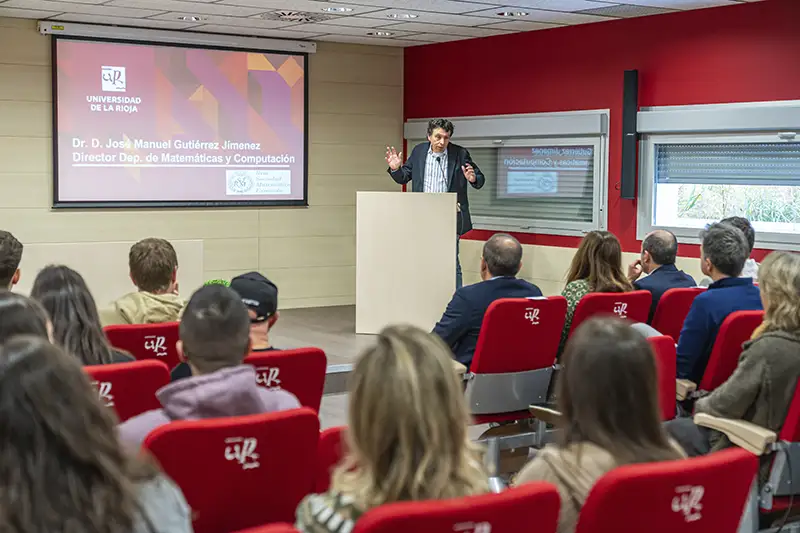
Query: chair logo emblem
(104, 388)
(621, 309)
(473, 527)
(243, 451)
(268, 376)
(532, 314)
(687, 501)
(156, 344)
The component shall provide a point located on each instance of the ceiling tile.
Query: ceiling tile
(298, 5)
(521, 25)
(251, 22)
(628, 10)
(539, 15)
(559, 5)
(260, 32)
(319, 27)
(13, 12)
(365, 40)
(682, 4)
(82, 1)
(433, 6)
(435, 38)
(88, 9)
(124, 21)
(360, 22)
(429, 17)
(189, 8)
(452, 30)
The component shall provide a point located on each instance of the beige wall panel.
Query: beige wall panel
(314, 282)
(24, 47)
(315, 221)
(25, 119)
(24, 190)
(26, 154)
(231, 254)
(104, 266)
(341, 189)
(288, 252)
(292, 303)
(357, 68)
(25, 83)
(366, 159)
(348, 99)
(333, 128)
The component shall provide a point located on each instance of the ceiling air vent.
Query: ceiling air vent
(295, 16)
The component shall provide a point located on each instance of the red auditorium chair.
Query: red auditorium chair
(534, 504)
(672, 309)
(300, 371)
(634, 306)
(735, 330)
(685, 496)
(666, 363)
(331, 451)
(130, 388)
(240, 472)
(271, 528)
(147, 341)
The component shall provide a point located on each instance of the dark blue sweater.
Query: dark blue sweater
(707, 313)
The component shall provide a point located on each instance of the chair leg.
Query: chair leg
(749, 521)
(492, 462)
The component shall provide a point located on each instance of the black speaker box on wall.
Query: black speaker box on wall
(630, 106)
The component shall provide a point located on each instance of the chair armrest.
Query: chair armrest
(683, 388)
(550, 416)
(751, 437)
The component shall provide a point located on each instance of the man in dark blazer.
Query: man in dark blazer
(461, 323)
(439, 166)
(659, 250)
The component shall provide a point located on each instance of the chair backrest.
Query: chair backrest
(672, 309)
(666, 364)
(130, 388)
(270, 528)
(735, 330)
(331, 451)
(240, 472)
(489, 513)
(634, 306)
(300, 371)
(790, 431)
(519, 334)
(685, 496)
(147, 341)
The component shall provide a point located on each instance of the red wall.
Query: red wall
(748, 52)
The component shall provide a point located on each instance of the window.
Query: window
(549, 184)
(688, 180)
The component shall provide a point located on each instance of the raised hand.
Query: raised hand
(393, 159)
(469, 172)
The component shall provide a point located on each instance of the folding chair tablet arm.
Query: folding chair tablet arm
(748, 436)
(684, 388)
(545, 414)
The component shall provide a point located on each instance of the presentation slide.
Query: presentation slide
(542, 170)
(166, 125)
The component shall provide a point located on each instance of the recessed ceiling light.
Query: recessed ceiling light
(380, 33)
(192, 18)
(402, 16)
(337, 9)
(513, 14)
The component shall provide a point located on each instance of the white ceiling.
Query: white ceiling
(435, 20)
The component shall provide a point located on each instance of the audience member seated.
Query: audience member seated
(63, 467)
(407, 434)
(596, 267)
(607, 396)
(722, 256)
(215, 338)
(750, 269)
(461, 323)
(153, 267)
(659, 250)
(260, 296)
(20, 315)
(763, 384)
(10, 257)
(76, 325)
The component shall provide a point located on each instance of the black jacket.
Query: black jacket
(661, 280)
(457, 156)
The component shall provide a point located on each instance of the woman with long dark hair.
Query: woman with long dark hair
(63, 468)
(20, 315)
(608, 398)
(72, 309)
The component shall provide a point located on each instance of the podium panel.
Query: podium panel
(405, 258)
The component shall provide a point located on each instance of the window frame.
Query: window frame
(647, 175)
(570, 128)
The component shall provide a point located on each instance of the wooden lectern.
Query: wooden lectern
(405, 258)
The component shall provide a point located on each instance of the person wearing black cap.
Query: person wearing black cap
(260, 296)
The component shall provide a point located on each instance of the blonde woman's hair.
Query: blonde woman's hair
(779, 281)
(407, 436)
(599, 261)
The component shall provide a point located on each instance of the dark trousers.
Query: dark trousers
(694, 440)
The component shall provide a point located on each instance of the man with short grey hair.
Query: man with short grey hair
(723, 253)
(461, 322)
(659, 251)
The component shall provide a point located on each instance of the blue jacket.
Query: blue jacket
(461, 322)
(661, 280)
(707, 313)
